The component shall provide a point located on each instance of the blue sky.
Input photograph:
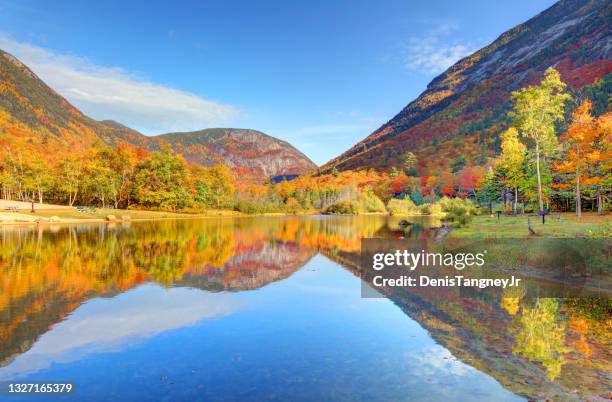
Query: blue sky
(319, 74)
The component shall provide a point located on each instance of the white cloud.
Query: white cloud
(108, 325)
(436, 360)
(113, 93)
(434, 52)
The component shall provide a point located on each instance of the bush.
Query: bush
(435, 209)
(396, 206)
(425, 209)
(292, 206)
(458, 210)
(255, 207)
(342, 207)
(369, 202)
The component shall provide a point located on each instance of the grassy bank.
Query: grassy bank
(516, 226)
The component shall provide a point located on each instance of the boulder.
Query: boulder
(111, 218)
(126, 218)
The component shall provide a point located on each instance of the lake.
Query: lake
(270, 309)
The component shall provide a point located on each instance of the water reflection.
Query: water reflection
(107, 324)
(558, 349)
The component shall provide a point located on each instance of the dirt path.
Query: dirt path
(27, 206)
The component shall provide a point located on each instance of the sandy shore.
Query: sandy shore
(19, 213)
(14, 218)
(27, 206)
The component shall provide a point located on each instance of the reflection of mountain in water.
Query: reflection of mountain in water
(249, 269)
(46, 275)
(563, 354)
(559, 349)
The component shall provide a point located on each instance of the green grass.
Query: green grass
(516, 226)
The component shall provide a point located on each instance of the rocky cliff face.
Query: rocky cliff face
(462, 111)
(250, 268)
(248, 152)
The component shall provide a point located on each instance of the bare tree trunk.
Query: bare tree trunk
(515, 199)
(72, 198)
(529, 228)
(505, 198)
(578, 198)
(599, 202)
(540, 198)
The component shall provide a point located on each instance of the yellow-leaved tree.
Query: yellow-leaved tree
(512, 158)
(537, 108)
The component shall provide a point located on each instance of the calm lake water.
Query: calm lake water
(271, 309)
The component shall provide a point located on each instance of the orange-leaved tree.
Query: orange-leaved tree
(581, 152)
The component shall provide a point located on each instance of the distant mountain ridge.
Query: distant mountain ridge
(38, 121)
(461, 113)
(242, 149)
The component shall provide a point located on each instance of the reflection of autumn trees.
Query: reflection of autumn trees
(511, 299)
(553, 347)
(102, 259)
(540, 336)
(44, 274)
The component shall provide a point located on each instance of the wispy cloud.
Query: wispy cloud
(107, 325)
(113, 93)
(434, 52)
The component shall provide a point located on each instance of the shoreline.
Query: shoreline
(73, 221)
(40, 221)
(47, 215)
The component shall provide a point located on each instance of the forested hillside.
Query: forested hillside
(457, 121)
(38, 122)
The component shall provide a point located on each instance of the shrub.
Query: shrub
(435, 209)
(292, 205)
(369, 202)
(342, 207)
(430, 209)
(255, 207)
(458, 210)
(425, 209)
(405, 206)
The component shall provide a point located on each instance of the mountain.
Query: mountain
(457, 120)
(36, 120)
(245, 151)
